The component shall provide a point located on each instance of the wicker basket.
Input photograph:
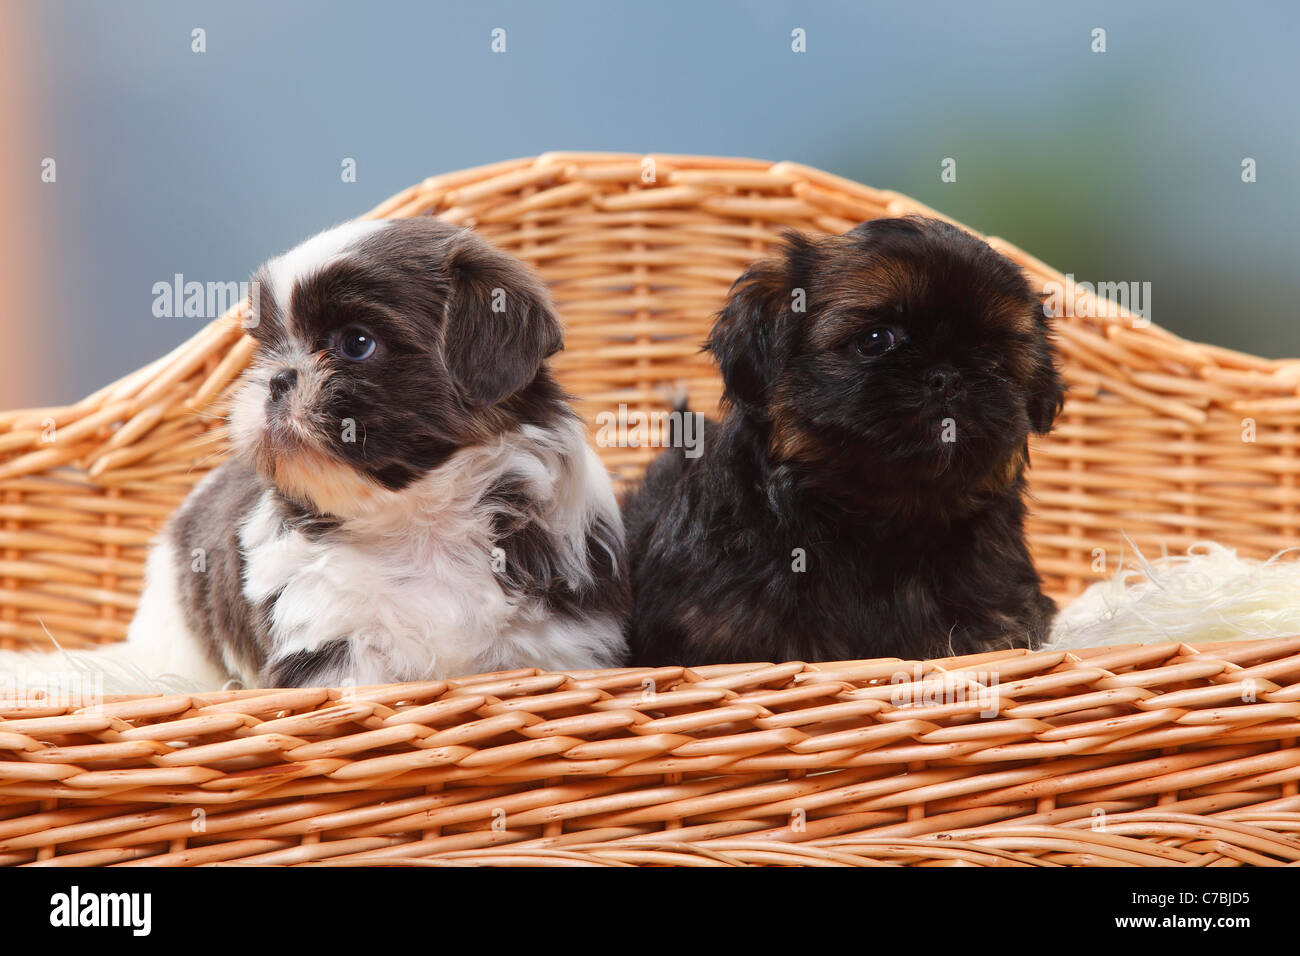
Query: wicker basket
(1164, 754)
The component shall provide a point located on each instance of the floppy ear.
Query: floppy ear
(1046, 389)
(752, 331)
(500, 323)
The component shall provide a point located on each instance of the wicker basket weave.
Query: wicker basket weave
(1156, 755)
(1162, 754)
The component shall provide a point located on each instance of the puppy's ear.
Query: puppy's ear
(500, 323)
(752, 332)
(1046, 389)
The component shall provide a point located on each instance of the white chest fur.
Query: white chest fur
(417, 587)
(413, 600)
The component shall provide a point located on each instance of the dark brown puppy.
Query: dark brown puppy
(863, 494)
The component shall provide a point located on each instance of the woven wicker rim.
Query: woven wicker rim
(1153, 755)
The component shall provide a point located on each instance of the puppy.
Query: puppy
(863, 494)
(410, 495)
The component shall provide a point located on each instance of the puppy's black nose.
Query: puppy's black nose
(945, 381)
(282, 381)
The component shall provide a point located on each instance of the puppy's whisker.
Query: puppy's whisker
(202, 462)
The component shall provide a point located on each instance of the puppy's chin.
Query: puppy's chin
(946, 470)
(923, 469)
(955, 467)
(330, 487)
(286, 452)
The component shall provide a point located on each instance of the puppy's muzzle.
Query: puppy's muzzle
(282, 383)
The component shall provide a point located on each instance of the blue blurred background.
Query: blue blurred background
(1116, 166)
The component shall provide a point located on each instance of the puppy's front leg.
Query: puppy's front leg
(329, 665)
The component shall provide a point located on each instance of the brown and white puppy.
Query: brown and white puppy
(863, 494)
(410, 495)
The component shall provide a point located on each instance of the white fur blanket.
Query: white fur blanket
(1209, 594)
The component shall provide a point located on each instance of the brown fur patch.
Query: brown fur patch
(1005, 474)
(790, 442)
(852, 285)
(332, 488)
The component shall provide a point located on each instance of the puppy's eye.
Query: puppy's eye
(877, 341)
(356, 344)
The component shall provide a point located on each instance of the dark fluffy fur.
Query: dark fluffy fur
(914, 547)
